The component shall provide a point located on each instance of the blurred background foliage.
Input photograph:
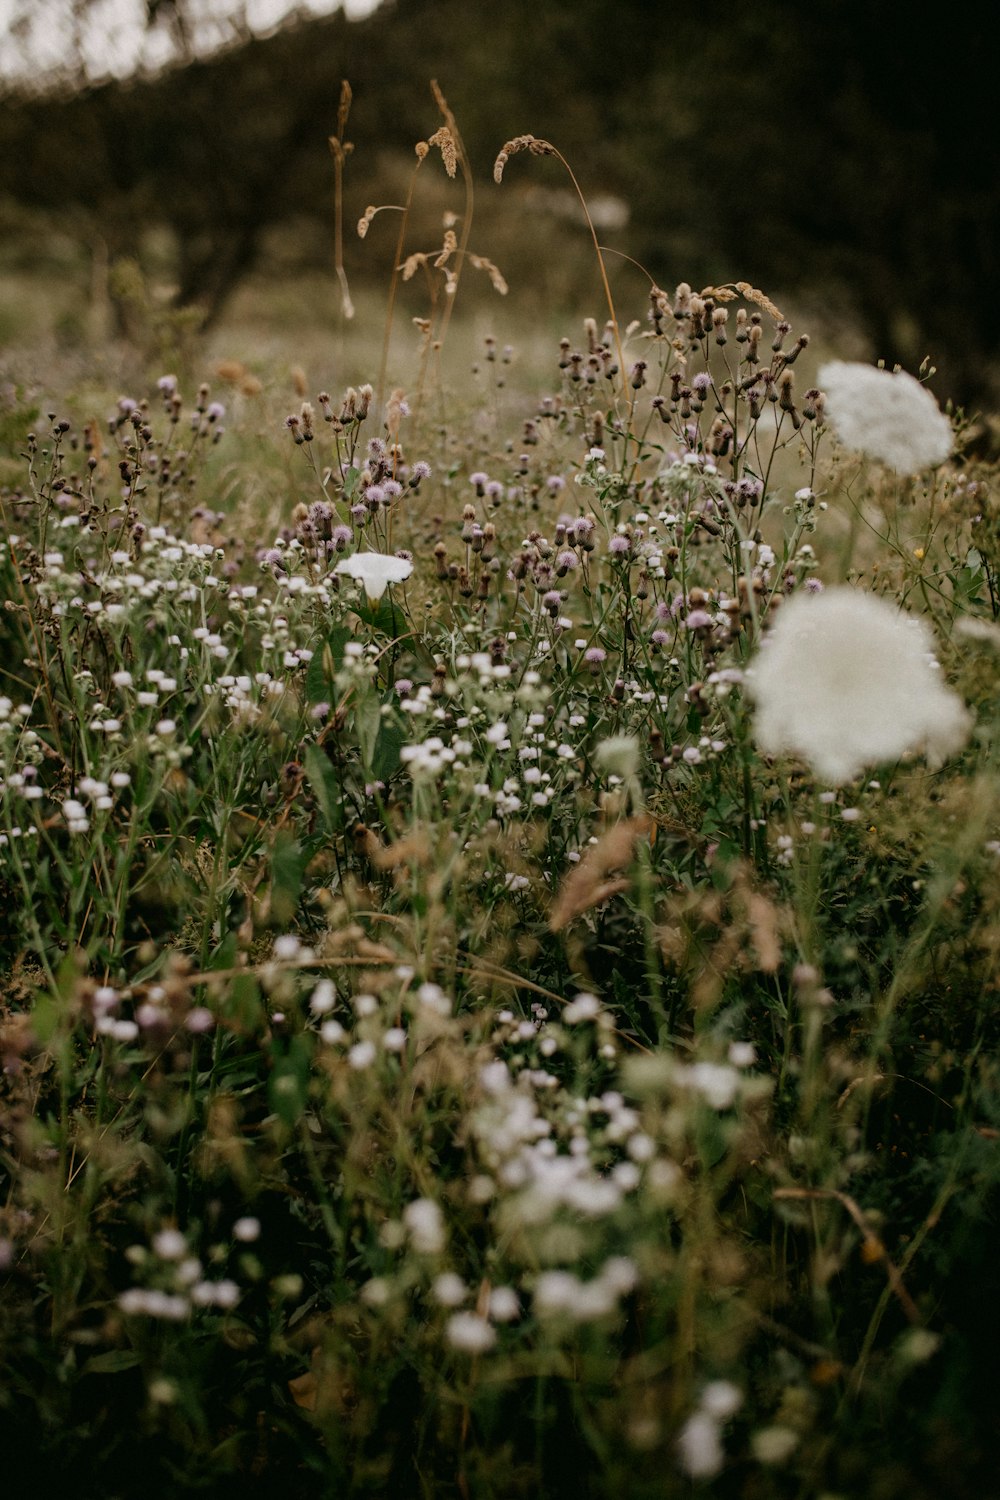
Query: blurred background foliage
(838, 155)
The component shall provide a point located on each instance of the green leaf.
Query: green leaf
(224, 955)
(367, 723)
(243, 1003)
(711, 1137)
(325, 664)
(386, 617)
(288, 863)
(385, 761)
(288, 1086)
(325, 787)
(112, 1362)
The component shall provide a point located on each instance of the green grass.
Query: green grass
(440, 1047)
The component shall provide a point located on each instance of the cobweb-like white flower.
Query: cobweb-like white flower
(848, 681)
(375, 571)
(887, 416)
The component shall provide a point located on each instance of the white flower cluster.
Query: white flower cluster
(184, 1285)
(847, 681)
(699, 1445)
(891, 417)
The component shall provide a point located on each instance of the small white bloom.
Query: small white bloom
(619, 755)
(169, 1244)
(470, 1333)
(582, 1008)
(425, 1224)
(773, 1445)
(699, 1446)
(844, 680)
(504, 1304)
(449, 1289)
(361, 1055)
(887, 416)
(721, 1399)
(375, 571)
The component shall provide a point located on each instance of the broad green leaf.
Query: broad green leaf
(322, 779)
(288, 862)
(386, 617)
(288, 1086)
(112, 1362)
(367, 723)
(326, 663)
(385, 761)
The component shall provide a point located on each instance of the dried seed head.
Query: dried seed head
(365, 220)
(756, 296)
(412, 264)
(520, 143)
(802, 342)
(448, 248)
(497, 281)
(445, 141)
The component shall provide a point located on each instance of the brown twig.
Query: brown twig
(874, 1248)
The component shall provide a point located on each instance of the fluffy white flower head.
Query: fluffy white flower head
(375, 571)
(887, 416)
(847, 681)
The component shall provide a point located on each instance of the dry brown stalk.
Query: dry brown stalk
(340, 150)
(763, 918)
(873, 1249)
(592, 881)
(538, 147)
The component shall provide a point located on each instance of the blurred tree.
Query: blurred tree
(839, 151)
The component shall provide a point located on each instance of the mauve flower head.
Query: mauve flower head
(891, 417)
(847, 681)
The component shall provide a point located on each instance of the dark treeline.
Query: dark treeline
(838, 149)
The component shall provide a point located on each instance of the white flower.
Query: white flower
(425, 1224)
(470, 1333)
(846, 680)
(887, 416)
(449, 1289)
(699, 1446)
(773, 1445)
(721, 1399)
(375, 571)
(619, 755)
(504, 1305)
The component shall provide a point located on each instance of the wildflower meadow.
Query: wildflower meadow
(500, 916)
